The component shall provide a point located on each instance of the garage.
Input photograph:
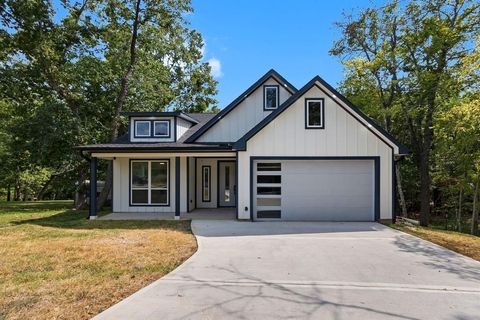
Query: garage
(321, 189)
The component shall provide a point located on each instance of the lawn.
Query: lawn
(465, 244)
(54, 263)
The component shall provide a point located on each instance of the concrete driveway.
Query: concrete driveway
(300, 270)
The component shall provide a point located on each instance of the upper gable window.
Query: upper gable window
(315, 113)
(161, 128)
(142, 128)
(270, 97)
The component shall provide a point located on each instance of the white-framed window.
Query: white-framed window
(161, 128)
(270, 97)
(315, 113)
(149, 182)
(206, 183)
(142, 128)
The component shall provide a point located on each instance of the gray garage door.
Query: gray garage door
(323, 190)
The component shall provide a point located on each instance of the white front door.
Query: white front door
(226, 183)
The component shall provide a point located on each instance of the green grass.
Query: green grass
(57, 264)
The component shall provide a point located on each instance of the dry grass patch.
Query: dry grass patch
(465, 244)
(55, 264)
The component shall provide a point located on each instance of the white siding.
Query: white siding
(243, 117)
(182, 127)
(343, 136)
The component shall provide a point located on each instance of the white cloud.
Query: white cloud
(216, 67)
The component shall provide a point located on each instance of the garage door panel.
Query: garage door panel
(327, 201)
(327, 190)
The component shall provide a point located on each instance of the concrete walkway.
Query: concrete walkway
(295, 270)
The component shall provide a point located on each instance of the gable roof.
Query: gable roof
(270, 74)
(241, 143)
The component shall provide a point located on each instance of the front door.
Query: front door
(226, 184)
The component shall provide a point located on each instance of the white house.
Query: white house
(274, 153)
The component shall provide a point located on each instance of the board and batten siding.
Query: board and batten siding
(243, 117)
(182, 127)
(343, 136)
(121, 187)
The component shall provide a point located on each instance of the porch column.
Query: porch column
(177, 188)
(92, 212)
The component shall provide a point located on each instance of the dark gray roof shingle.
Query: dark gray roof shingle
(123, 142)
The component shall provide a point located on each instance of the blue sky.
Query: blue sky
(246, 38)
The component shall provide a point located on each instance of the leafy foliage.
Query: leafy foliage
(60, 76)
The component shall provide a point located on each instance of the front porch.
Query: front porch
(164, 186)
(196, 214)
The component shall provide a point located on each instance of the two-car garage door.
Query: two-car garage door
(323, 190)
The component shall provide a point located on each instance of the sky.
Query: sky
(246, 38)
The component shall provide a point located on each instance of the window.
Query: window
(314, 113)
(151, 128)
(269, 166)
(206, 175)
(161, 128)
(270, 97)
(269, 190)
(269, 179)
(142, 128)
(149, 182)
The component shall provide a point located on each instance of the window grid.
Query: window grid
(149, 187)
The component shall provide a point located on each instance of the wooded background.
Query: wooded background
(413, 66)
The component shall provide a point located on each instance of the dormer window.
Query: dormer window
(142, 128)
(270, 97)
(161, 128)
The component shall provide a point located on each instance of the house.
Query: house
(274, 153)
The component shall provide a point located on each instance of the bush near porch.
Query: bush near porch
(56, 264)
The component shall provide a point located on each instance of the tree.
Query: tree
(369, 50)
(425, 51)
(458, 143)
(80, 72)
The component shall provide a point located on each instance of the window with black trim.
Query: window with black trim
(142, 128)
(206, 181)
(161, 128)
(151, 128)
(270, 97)
(149, 182)
(314, 113)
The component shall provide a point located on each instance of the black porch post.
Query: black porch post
(177, 188)
(92, 212)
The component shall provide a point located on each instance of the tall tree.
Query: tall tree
(432, 38)
(101, 58)
(369, 50)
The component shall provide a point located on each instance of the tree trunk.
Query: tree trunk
(120, 101)
(474, 227)
(41, 193)
(401, 195)
(16, 196)
(9, 193)
(424, 190)
(459, 211)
